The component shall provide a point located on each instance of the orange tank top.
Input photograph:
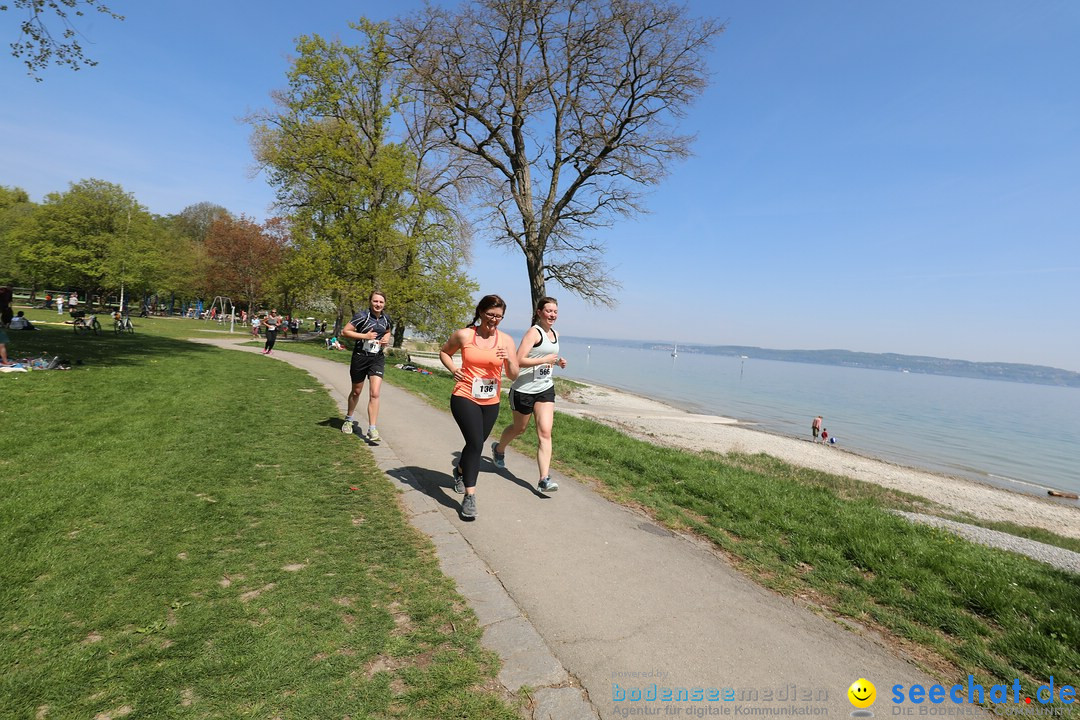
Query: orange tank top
(483, 373)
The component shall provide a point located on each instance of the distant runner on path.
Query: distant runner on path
(485, 352)
(533, 393)
(370, 329)
(271, 322)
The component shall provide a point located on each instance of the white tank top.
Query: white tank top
(538, 378)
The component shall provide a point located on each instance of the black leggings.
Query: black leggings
(476, 422)
(271, 336)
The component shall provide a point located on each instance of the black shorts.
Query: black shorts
(523, 402)
(364, 365)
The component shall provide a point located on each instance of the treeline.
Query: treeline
(97, 239)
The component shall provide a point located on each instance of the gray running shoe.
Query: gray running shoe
(373, 435)
(346, 427)
(468, 506)
(459, 483)
(546, 484)
(497, 457)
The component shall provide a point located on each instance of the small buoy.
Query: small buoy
(1061, 494)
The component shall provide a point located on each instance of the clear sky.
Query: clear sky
(893, 176)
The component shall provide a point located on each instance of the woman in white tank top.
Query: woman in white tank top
(533, 393)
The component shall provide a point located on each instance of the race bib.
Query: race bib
(543, 372)
(371, 346)
(484, 388)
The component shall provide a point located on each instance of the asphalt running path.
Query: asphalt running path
(621, 602)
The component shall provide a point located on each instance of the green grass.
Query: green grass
(827, 539)
(833, 541)
(184, 534)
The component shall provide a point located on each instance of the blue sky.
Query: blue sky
(876, 176)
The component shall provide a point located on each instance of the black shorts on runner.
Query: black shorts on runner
(364, 365)
(523, 402)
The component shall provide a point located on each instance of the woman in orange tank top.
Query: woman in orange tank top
(485, 353)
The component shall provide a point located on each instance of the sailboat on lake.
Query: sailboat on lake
(675, 351)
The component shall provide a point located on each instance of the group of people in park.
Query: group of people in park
(272, 321)
(486, 355)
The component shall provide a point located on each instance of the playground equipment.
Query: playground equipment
(225, 309)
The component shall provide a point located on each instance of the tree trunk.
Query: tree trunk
(534, 261)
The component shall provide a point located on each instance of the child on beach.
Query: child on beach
(824, 436)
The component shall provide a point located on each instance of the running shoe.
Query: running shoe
(468, 506)
(546, 484)
(373, 435)
(497, 457)
(459, 482)
(346, 426)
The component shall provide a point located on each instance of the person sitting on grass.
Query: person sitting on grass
(19, 322)
(334, 344)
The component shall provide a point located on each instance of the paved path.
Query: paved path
(586, 600)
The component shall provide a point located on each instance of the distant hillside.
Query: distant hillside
(1012, 372)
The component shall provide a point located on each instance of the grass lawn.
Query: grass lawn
(184, 534)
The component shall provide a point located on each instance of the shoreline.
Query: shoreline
(660, 423)
(978, 477)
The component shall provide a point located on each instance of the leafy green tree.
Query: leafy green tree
(15, 214)
(195, 220)
(91, 237)
(38, 44)
(349, 184)
(182, 265)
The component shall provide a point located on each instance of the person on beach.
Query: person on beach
(371, 331)
(815, 427)
(271, 323)
(824, 436)
(474, 403)
(533, 393)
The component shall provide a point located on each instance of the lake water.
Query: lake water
(1026, 437)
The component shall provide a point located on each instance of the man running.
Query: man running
(370, 329)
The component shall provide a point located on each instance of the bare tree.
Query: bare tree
(568, 105)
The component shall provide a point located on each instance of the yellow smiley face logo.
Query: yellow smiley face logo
(862, 693)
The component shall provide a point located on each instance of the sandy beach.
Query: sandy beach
(656, 422)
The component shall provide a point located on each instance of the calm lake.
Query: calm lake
(1026, 437)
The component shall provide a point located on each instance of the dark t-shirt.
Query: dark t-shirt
(364, 322)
